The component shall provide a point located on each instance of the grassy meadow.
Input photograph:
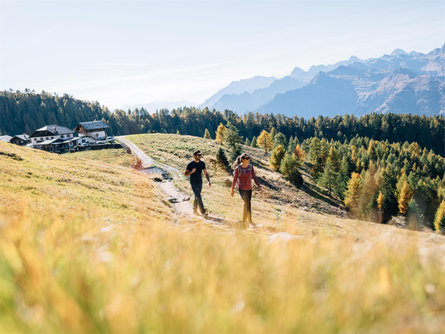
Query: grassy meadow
(87, 245)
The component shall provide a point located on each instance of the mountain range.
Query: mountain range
(400, 82)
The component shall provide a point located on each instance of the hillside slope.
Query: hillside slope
(88, 245)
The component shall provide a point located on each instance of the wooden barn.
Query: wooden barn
(21, 140)
(94, 129)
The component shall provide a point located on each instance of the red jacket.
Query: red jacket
(245, 178)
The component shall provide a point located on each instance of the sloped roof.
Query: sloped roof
(5, 138)
(23, 136)
(49, 141)
(54, 128)
(93, 125)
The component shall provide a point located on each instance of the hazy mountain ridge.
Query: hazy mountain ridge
(399, 83)
(244, 101)
(238, 87)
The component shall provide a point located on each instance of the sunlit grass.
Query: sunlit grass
(73, 258)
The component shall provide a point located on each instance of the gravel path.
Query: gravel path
(164, 175)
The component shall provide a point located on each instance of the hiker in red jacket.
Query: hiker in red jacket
(244, 173)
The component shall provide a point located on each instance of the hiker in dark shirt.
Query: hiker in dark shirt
(195, 169)
(243, 175)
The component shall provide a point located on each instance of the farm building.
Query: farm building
(21, 140)
(48, 133)
(57, 145)
(94, 129)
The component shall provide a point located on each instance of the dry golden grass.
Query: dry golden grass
(74, 259)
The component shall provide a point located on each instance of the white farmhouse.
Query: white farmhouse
(49, 133)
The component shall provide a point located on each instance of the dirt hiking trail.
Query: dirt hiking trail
(164, 175)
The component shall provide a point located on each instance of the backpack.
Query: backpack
(239, 172)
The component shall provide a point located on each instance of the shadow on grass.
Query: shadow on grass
(315, 193)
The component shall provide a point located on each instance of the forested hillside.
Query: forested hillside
(26, 111)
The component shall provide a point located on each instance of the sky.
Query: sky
(135, 52)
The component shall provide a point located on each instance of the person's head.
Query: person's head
(240, 159)
(197, 155)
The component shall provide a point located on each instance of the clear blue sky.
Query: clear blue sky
(134, 52)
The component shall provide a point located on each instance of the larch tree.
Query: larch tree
(439, 220)
(220, 133)
(276, 157)
(299, 153)
(404, 198)
(265, 141)
(353, 192)
(207, 134)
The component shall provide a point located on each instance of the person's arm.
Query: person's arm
(189, 171)
(255, 179)
(207, 176)
(235, 177)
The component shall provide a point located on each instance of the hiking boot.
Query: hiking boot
(205, 214)
(195, 212)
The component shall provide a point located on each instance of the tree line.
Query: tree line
(24, 112)
(376, 179)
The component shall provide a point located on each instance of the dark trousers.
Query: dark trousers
(246, 195)
(197, 187)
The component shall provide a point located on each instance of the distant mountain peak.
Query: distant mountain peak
(398, 52)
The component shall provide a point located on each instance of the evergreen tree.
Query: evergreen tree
(265, 141)
(231, 136)
(247, 142)
(207, 134)
(253, 143)
(220, 132)
(276, 157)
(314, 150)
(329, 178)
(387, 187)
(291, 146)
(414, 215)
(221, 158)
(280, 139)
(290, 166)
(273, 133)
(237, 151)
